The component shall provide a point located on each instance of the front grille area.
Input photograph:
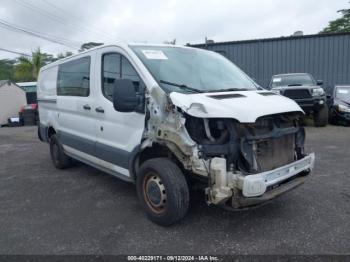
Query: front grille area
(297, 93)
(275, 152)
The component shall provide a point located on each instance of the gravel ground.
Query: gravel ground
(84, 211)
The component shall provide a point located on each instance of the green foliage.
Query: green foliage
(47, 58)
(37, 62)
(7, 69)
(27, 69)
(340, 25)
(89, 45)
(24, 70)
(61, 55)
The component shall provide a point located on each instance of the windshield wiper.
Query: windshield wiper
(182, 86)
(227, 89)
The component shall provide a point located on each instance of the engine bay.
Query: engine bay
(270, 142)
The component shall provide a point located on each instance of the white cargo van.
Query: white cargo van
(170, 117)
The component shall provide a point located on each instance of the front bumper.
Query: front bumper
(260, 188)
(311, 104)
(240, 203)
(257, 184)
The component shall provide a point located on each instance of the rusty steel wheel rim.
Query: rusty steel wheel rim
(154, 193)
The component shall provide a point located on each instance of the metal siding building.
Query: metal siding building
(325, 56)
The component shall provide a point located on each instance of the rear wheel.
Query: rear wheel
(321, 117)
(163, 191)
(59, 159)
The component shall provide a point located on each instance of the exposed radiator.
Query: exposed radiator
(275, 152)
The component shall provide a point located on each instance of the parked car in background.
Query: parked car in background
(339, 106)
(306, 91)
(29, 115)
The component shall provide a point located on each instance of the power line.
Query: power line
(57, 40)
(39, 33)
(14, 52)
(95, 29)
(19, 30)
(52, 16)
(41, 11)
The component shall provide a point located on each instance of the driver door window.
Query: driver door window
(110, 72)
(116, 66)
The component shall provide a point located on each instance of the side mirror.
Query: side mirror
(125, 98)
(319, 82)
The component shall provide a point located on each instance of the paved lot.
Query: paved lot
(84, 211)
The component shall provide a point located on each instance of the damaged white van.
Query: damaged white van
(170, 117)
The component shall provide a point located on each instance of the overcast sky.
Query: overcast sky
(189, 21)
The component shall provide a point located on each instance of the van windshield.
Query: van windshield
(191, 70)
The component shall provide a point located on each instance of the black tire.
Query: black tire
(161, 179)
(39, 135)
(59, 159)
(321, 117)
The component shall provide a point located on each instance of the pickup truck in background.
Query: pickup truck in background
(306, 91)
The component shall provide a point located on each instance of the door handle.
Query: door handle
(87, 107)
(99, 110)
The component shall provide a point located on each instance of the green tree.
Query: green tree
(27, 69)
(24, 70)
(340, 25)
(47, 58)
(89, 45)
(61, 55)
(7, 69)
(37, 62)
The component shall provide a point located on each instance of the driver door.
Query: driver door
(118, 133)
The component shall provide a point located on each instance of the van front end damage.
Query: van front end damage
(242, 164)
(251, 163)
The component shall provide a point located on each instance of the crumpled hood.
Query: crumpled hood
(244, 106)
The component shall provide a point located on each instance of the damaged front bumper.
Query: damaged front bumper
(243, 191)
(256, 185)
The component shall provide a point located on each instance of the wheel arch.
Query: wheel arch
(139, 156)
(50, 131)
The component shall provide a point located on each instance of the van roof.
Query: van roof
(121, 44)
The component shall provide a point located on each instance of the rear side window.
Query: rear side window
(74, 78)
(116, 66)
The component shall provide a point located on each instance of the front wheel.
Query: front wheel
(321, 117)
(163, 191)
